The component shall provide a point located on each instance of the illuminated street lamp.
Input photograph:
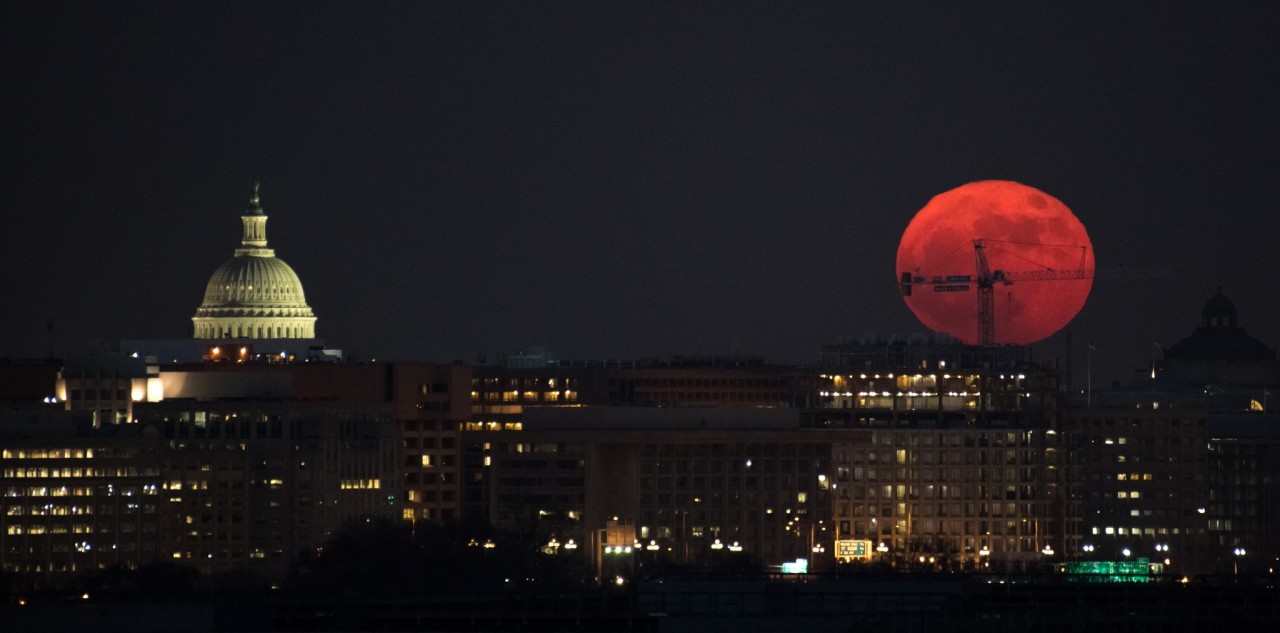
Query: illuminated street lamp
(1047, 551)
(570, 545)
(735, 547)
(1235, 565)
(1126, 551)
(652, 546)
(1087, 547)
(717, 545)
(882, 548)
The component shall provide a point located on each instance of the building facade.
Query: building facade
(76, 498)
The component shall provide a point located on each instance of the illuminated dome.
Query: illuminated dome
(253, 294)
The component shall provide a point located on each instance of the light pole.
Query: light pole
(1235, 564)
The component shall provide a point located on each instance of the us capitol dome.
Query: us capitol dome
(254, 294)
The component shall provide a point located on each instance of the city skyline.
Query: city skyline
(625, 181)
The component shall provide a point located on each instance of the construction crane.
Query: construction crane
(986, 280)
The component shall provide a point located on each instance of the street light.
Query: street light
(1047, 551)
(882, 548)
(1235, 565)
(717, 545)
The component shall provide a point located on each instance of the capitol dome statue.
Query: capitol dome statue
(253, 294)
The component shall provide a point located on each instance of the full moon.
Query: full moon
(1034, 240)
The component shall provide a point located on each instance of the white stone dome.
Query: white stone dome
(254, 294)
(247, 281)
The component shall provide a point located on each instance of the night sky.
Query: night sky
(618, 180)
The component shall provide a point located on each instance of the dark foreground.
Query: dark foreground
(708, 605)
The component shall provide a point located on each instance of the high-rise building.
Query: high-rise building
(248, 484)
(692, 486)
(959, 461)
(75, 498)
(1144, 481)
(1181, 466)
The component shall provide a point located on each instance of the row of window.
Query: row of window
(753, 450)
(716, 483)
(948, 527)
(954, 509)
(1008, 457)
(76, 395)
(974, 473)
(1135, 531)
(527, 383)
(60, 453)
(1149, 422)
(748, 466)
(942, 491)
(74, 473)
(37, 529)
(492, 426)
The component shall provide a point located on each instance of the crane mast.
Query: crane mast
(986, 296)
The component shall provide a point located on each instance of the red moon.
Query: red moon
(1024, 231)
